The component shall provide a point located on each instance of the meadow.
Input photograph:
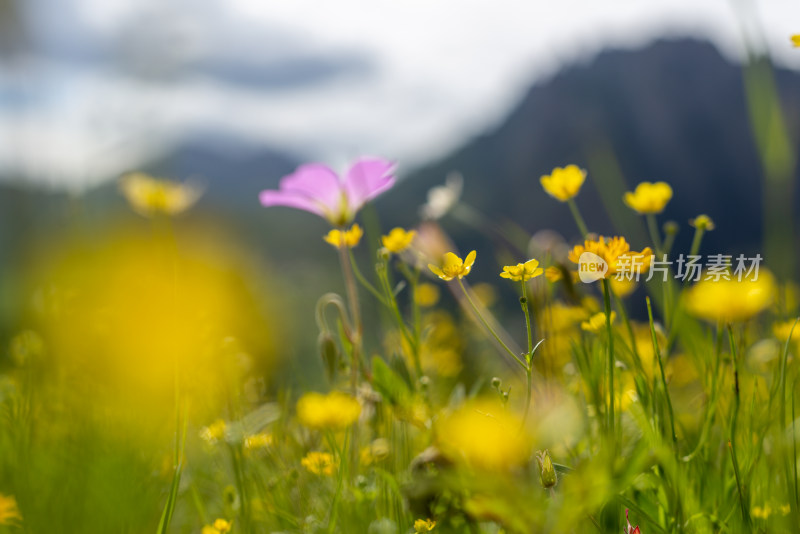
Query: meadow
(137, 396)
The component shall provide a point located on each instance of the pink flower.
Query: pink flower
(630, 529)
(316, 188)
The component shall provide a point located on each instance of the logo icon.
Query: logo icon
(591, 267)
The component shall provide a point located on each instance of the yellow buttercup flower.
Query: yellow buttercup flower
(151, 196)
(702, 222)
(424, 525)
(426, 295)
(347, 238)
(483, 435)
(597, 322)
(220, 526)
(453, 266)
(398, 240)
(616, 252)
(262, 440)
(648, 197)
(319, 463)
(334, 411)
(564, 183)
(214, 432)
(796, 40)
(731, 300)
(9, 511)
(522, 272)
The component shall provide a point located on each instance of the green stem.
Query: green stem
(363, 281)
(392, 303)
(489, 328)
(576, 214)
(657, 353)
(696, 240)
(529, 356)
(652, 227)
(607, 302)
(732, 442)
(355, 316)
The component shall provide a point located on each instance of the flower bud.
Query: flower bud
(329, 353)
(671, 228)
(547, 474)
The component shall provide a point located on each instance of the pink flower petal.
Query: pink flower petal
(365, 180)
(312, 187)
(291, 200)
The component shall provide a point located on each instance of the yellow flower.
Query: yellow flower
(622, 287)
(553, 274)
(214, 432)
(375, 452)
(565, 183)
(702, 222)
(782, 330)
(483, 435)
(453, 266)
(426, 295)
(616, 252)
(9, 511)
(424, 525)
(398, 240)
(334, 411)
(597, 322)
(150, 196)
(262, 440)
(796, 40)
(319, 463)
(522, 272)
(731, 300)
(220, 526)
(348, 238)
(648, 197)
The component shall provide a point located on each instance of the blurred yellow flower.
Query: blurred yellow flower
(763, 512)
(553, 274)
(483, 435)
(375, 452)
(597, 322)
(796, 40)
(426, 295)
(564, 183)
(622, 287)
(522, 272)
(731, 300)
(398, 240)
(347, 238)
(616, 252)
(319, 463)
(783, 329)
(702, 222)
(220, 526)
(214, 432)
(151, 196)
(334, 411)
(648, 197)
(424, 525)
(262, 440)
(453, 266)
(9, 511)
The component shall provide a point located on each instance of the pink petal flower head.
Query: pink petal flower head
(630, 529)
(317, 189)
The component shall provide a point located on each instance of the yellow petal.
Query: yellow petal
(470, 260)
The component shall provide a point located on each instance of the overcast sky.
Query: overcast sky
(100, 86)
